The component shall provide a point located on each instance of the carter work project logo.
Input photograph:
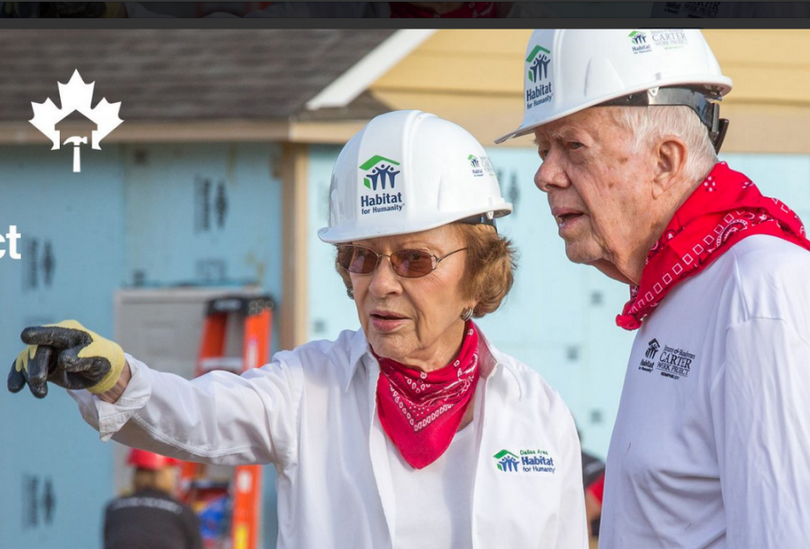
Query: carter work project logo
(675, 363)
(672, 362)
(669, 39)
(529, 461)
(76, 96)
(380, 177)
(537, 63)
(639, 41)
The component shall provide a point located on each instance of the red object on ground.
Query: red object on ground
(149, 460)
(597, 488)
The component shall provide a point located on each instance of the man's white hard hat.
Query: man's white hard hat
(569, 70)
(406, 172)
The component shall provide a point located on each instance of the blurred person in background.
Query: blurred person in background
(593, 479)
(414, 431)
(711, 445)
(151, 517)
(594, 495)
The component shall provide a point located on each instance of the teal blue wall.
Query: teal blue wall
(330, 309)
(560, 317)
(133, 213)
(80, 217)
(174, 232)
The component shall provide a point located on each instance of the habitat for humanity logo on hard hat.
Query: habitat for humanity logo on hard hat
(638, 39)
(380, 179)
(76, 97)
(480, 165)
(537, 64)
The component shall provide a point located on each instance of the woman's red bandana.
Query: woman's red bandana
(468, 10)
(723, 210)
(421, 411)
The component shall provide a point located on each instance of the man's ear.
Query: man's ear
(670, 158)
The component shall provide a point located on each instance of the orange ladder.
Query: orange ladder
(246, 484)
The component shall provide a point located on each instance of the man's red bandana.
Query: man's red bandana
(723, 210)
(421, 411)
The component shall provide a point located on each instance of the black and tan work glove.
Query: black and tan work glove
(69, 355)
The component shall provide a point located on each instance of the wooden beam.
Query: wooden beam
(232, 131)
(23, 133)
(294, 303)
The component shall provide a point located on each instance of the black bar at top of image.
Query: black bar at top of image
(594, 14)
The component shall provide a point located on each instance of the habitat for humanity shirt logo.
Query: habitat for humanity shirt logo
(672, 363)
(380, 177)
(529, 461)
(76, 96)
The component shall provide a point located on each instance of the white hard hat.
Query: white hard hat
(410, 171)
(569, 70)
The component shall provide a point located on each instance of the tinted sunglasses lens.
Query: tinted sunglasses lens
(412, 263)
(356, 259)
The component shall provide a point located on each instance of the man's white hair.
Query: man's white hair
(651, 123)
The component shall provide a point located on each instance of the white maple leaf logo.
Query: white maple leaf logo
(74, 96)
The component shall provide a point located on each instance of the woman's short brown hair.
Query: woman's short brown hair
(489, 272)
(491, 264)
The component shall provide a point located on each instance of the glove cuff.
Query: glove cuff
(115, 354)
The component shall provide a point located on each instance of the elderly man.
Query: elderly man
(711, 446)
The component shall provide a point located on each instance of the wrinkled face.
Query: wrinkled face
(598, 188)
(415, 321)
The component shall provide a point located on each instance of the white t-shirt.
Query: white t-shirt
(711, 446)
(434, 504)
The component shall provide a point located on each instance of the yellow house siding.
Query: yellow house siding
(766, 66)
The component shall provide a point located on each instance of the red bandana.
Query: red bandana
(726, 208)
(470, 9)
(421, 411)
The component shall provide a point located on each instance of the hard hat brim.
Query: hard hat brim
(724, 83)
(337, 235)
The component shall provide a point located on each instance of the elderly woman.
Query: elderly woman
(412, 432)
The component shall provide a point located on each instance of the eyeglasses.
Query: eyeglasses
(406, 263)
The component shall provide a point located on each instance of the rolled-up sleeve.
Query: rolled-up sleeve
(217, 418)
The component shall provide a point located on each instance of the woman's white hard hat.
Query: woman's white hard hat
(406, 172)
(568, 70)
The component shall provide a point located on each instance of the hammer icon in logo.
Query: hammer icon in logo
(77, 160)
